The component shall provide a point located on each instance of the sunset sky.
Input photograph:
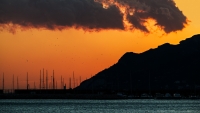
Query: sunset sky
(84, 52)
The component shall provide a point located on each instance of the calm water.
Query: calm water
(100, 106)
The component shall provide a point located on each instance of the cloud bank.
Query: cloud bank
(92, 14)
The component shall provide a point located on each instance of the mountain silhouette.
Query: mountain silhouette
(168, 67)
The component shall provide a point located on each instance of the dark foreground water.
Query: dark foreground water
(100, 106)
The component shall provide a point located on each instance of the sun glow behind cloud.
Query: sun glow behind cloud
(92, 15)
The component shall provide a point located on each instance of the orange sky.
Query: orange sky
(85, 53)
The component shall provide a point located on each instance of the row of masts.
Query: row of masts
(44, 82)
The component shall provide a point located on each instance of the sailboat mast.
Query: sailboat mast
(17, 83)
(34, 85)
(13, 83)
(43, 80)
(27, 81)
(73, 80)
(70, 83)
(46, 79)
(53, 81)
(40, 80)
(61, 82)
(3, 82)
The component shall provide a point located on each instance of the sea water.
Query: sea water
(99, 106)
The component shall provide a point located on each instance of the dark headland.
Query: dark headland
(169, 71)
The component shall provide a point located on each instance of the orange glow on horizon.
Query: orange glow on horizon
(82, 52)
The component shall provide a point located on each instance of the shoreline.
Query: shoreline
(86, 96)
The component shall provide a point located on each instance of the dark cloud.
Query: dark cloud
(166, 14)
(63, 13)
(91, 14)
